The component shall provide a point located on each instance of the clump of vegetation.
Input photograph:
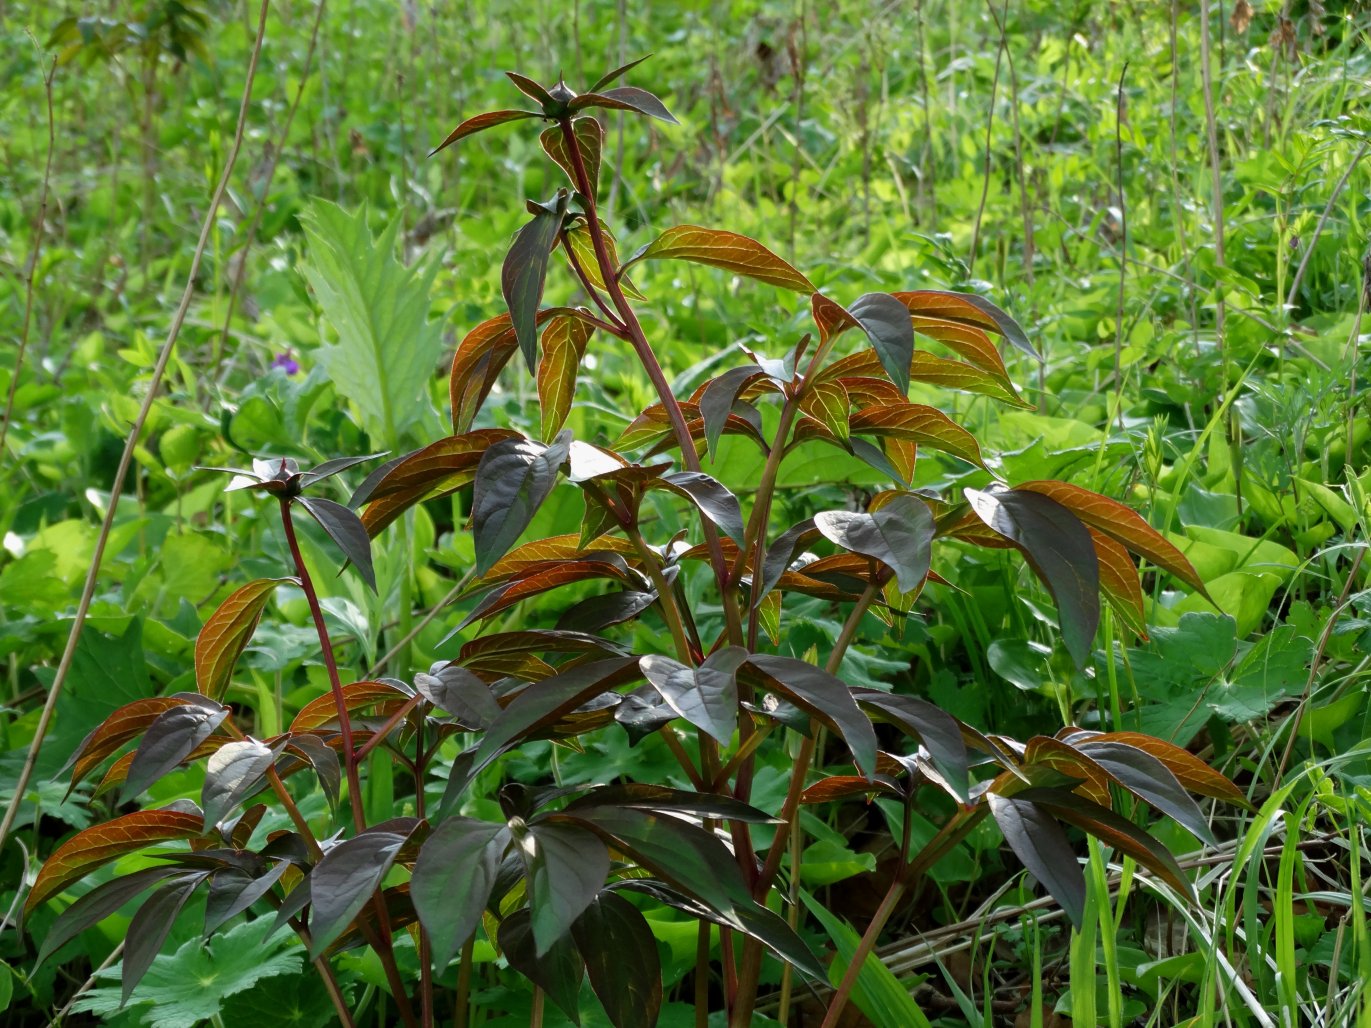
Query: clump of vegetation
(560, 884)
(774, 621)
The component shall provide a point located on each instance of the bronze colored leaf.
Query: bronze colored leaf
(227, 632)
(727, 250)
(99, 844)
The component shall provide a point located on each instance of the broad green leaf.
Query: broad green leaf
(387, 349)
(898, 534)
(727, 250)
(1059, 549)
(188, 987)
(513, 479)
(878, 993)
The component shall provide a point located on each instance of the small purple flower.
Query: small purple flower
(286, 362)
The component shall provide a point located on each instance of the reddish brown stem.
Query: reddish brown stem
(643, 349)
(331, 664)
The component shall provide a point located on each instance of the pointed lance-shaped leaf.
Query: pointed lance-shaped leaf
(827, 403)
(590, 140)
(1122, 524)
(968, 308)
(663, 799)
(821, 695)
(781, 553)
(480, 123)
(512, 481)
(616, 74)
(126, 723)
(539, 706)
(228, 904)
(1112, 830)
(921, 424)
(625, 98)
(621, 959)
(564, 347)
(460, 693)
(717, 399)
(345, 880)
(532, 90)
(1059, 549)
(332, 467)
(232, 774)
(149, 928)
(453, 879)
(680, 853)
(169, 740)
(1149, 779)
(712, 498)
(227, 632)
(1190, 770)
(727, 250)
(706, 696)
(567, 866)
(939, 732)
(346, 530)
(525, 271)
(899, 535)
(557, 972)
(323, 758)
(102, 901)
(96, 846)
(886, 323)
(1041, 846)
